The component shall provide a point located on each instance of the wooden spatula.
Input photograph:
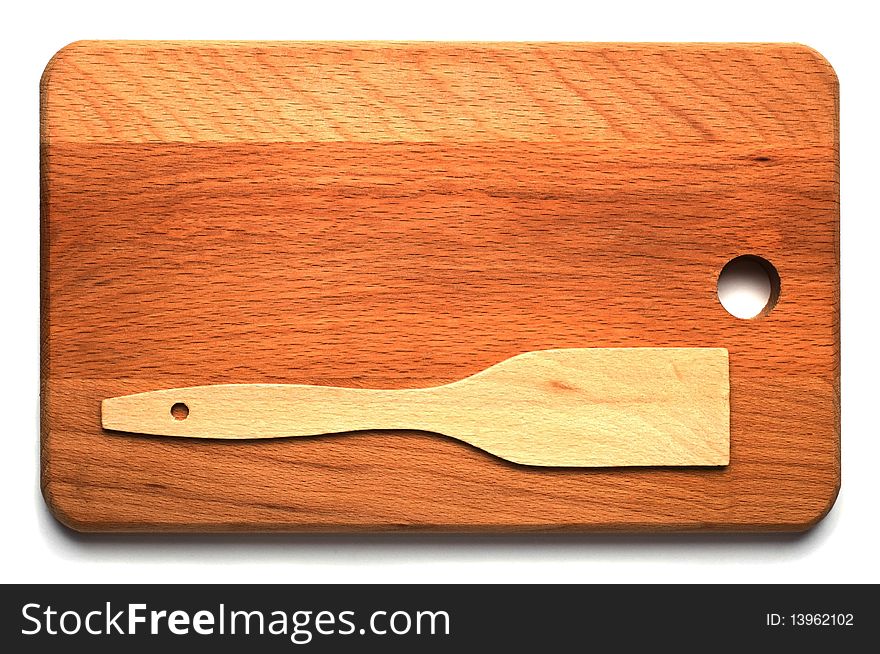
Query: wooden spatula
(569, 407)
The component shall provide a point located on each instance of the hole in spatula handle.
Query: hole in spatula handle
(180, 411)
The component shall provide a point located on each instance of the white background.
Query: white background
(842, 548)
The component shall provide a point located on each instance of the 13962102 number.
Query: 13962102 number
(822, 619)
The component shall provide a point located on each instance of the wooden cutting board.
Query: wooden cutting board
(403, 215)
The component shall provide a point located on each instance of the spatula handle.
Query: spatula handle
(271, 410)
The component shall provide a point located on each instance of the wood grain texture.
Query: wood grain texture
(577, 407)
(378, 215)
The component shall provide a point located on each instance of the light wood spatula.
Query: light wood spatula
(568, 407)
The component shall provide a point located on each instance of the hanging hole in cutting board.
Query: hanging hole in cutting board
(748, 286)
(180, 411)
